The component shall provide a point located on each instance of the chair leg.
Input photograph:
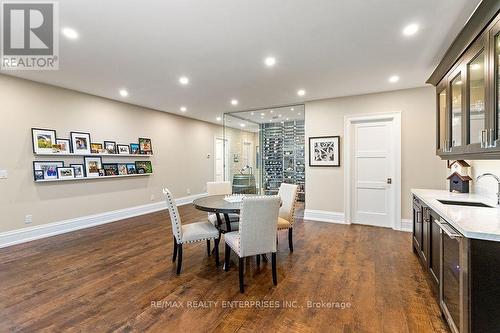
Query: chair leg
(241, 267)
(179, 260)
(258, 260)
(175, 250)
(216, 248)
(290, 239)
(275, 277)
(227, 255)
(208, 247)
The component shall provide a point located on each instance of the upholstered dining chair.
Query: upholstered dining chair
(256, 234)
(288, 194)
(222, 188)
(189, 233)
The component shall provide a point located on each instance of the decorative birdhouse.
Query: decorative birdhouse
(459, 183)
(461, 167)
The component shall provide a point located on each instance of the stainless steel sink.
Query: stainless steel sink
(465, 203)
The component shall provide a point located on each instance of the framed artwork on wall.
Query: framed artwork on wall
(43, 140)
(131, 169)
(110, 147)
(134, 149)
(122, 169)
(64, 146)
(65, 173)
(80, 142)
(110, 169)
(123, 149)
(324, 151)
(93, 165)
(96, 148)
(79, 170)
(48, 168)
(143, 167)
(38, 175)
(145, 146)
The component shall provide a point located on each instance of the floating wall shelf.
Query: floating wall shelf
(96, 155)
(92, 178)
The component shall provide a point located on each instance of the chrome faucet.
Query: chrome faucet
(498, 181)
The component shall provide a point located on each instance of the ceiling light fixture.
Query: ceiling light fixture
(291, 109)
(183, 109)
(123, 93)
(410, 29)
(270, 61)
(394, 79)
(70, 33)
(262, 114)
(242, 125)
(218, 118)
(272, 111)
(252, 113)
(280, 116)
(301, 92)
(184, 80)
(234, 102)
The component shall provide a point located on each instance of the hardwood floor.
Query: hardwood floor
(120, 277)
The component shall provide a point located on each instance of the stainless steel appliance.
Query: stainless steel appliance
(453, 290)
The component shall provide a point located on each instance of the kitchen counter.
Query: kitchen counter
(472, 222)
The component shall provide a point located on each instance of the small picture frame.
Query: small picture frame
(80, 142)
(49, 168)
(38, 174)
(79, 170)
(96, 148)
(324, 151)
(123, 149)
(122, 169)
(131, 170)
(110, 147)
(92, 166)
(101, 172)
(43, 140)
(145, 146)
(134, 149)
(64, 146)
(65, 173)
(143, 167)
(110, 169)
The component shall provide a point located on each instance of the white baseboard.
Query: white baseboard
(23, 235)
(406, 225)
(324, 216)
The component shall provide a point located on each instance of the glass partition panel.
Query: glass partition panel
(476, 88)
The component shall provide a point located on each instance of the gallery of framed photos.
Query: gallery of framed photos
(266, 148)
(90, 159)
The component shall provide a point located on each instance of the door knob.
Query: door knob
(389, 180)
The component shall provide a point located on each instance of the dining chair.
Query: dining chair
(256, 234)
(189, 233)
(289, 195)
(222, 188)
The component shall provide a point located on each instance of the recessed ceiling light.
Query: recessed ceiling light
(242, 125)
(394, 79)
(183, 109)
(270, 61)
(475, 66)
(123, 93)
(280, 116)
(218, 118)
(298, 113)
(291, 109)
(287, 119)
(252, 113)
(234, 102)
(184, 80)
(262, 114)
(301, 92)
(272, 111)
(70, 33)
(410, 29)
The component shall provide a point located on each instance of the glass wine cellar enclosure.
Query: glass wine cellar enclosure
(264, 148)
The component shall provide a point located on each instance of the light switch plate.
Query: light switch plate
(3, 174)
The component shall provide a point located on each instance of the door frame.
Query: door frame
(349, 121)
(225, 146)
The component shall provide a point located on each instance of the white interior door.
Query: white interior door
(221, 160)
(373, 164)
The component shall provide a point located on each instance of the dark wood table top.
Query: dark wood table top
(217, 204)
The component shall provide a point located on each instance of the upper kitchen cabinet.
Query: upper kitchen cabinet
(467, 84)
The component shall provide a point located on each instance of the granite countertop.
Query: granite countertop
(472, 222)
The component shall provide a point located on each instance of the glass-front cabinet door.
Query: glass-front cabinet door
(495, 46)
(442, 101)
(456, 102)
(476, 99)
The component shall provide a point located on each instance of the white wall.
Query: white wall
(486, 186)
(421, 168)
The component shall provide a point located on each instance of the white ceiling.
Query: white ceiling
(329, 48)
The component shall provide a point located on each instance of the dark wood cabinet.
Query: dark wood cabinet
(417, 226)
(434, 248)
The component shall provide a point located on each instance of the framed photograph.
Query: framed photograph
(80, 142)
(134, 149)
(143, 167)
(324, 151)
(145, 146)
(110, 147)
(43, 140)
(49, 168)
(101, 172)
(123, 149)
(65, 173)
(38, 175)
(64, 146)
(79, 170)
(122, 169)
(96, 148)
(131, 169)
(92, 165)
(110, 169)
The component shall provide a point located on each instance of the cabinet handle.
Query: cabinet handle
(483, 139)
(491, 139)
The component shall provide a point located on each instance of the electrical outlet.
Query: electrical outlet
(3, 174)
(152, 197)
(28, 219)
(188, 191)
